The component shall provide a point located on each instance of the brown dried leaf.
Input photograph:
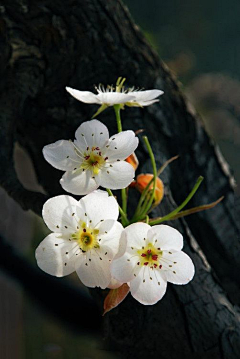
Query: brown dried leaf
(187, 212)
(162, 168)
(115, 297)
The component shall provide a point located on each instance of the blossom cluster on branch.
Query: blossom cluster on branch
(137, 254)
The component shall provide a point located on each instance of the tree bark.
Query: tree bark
(47, 45)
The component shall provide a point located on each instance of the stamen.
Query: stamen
(77, 150)
(77, 161)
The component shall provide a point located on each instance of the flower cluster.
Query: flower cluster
(86, 234)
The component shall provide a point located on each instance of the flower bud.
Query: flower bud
(143, 180)
(132, 159)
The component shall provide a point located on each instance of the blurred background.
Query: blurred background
(199, 41)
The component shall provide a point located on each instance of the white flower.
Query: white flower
(148, 258)
(93, 159)
(85, 237)
(112, 96)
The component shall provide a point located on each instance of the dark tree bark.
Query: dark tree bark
(47, 45)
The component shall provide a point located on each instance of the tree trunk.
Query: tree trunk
(50, 44)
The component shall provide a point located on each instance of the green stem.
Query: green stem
(142, 211)
(149, 148)
(141, 200)
(124, 200)
(145, 191)
(146, 208)
(125, 221)
(178, 209)
(117, 109)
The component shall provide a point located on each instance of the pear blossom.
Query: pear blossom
(85, 237)
(111, 96)
(148, 258)
(93, 159)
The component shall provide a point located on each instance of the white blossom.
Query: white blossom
(117, 95)
(85, 237)
(93, 159)
(148, 258)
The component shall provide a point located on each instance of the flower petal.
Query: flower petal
(177, 267)
(95, 270)
(121, 146)
(148, 287)
(83, 96)
(113, 98)
(125, 268)
(122, 245)
(59, 214)
(57, 256)
(136, 233)
(147, 103)
(118, 176)
(148, 95)
(166, 237)
(79, 182)
(110, 232)
(61, 155)
(99, 206)
(91, 134)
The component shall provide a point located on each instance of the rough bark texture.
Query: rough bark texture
(46, 45)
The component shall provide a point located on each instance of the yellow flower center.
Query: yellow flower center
(93, 160)
(149, 255)
(86, 237)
